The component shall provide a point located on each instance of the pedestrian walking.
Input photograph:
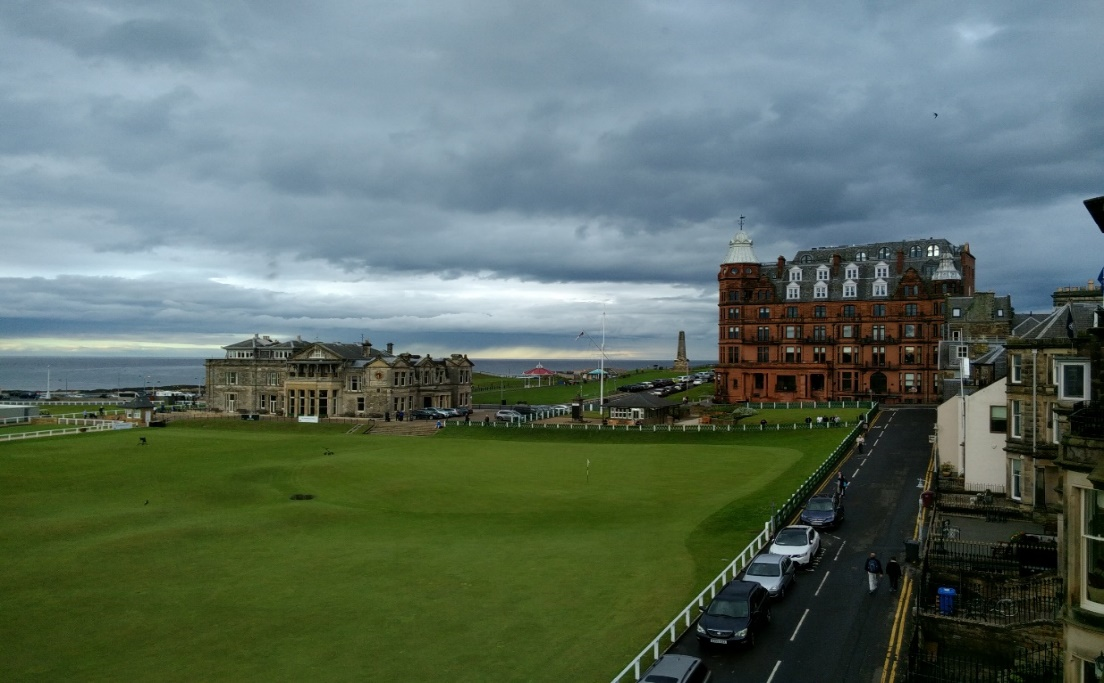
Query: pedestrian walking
(893, 573)
(859, 443)
(841, 483)
(873, 572)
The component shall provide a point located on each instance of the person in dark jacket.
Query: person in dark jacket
(893, 573)
(873, 572)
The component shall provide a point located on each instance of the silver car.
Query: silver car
(774, 572)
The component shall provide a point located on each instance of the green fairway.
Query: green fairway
(472, 555)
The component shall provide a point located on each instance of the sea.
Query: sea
(90, 373)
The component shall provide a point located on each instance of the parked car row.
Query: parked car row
(742, 607)
(438, 413)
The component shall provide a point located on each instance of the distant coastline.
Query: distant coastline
(111, 373)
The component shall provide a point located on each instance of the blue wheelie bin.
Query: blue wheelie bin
(946, 600)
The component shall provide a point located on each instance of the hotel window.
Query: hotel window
(231, 401)
(793, 332)
(762, 334)
(764, 313)
(820, 333)
(1017, 419)
(1055, 425)
(785, 383)
(861, 256)
(793, 354)
(733, 314)
(820, 311)
(795, 275)
(791, 312)
(883, 252)
(878, 310)
(877, 332)
(847, 354)
(914, 251)
(231, 378)
(793, 291)
(909, 355)
(908, 331)
(820, 354)
(848, 331)
(912, 309)
(1072, 379)
(317, 353)
(998, 419)
(878, 355)
(733, 332)
(850, 290)
(933, 250)
(733, 354)
(820, 291)
(881, 270)
(1015, 370)
(911, 290)
(962, 352)
(822, 273)
(273, 379)
(956, 312)
(360, 404)
(1092, 538)
(763, 355)
(851, 273)
(879, 288)
(354, 382)
(846, 381)
(849, 311)
(1017, 478)
(912, 383)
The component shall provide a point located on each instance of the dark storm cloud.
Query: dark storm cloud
(204, 169)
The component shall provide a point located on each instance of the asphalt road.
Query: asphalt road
(829, 628)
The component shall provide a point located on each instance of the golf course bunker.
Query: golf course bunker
(302, 496)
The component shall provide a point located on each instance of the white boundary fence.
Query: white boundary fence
(689, 615)
(80, 426)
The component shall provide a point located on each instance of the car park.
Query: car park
(774, 572)
(509, 416)
(676, 669)
(424, 414)
(823, 511)
(799, 542)
(739, 611)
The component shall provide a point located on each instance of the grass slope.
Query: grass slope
(473, 555)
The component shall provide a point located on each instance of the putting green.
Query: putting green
(472, 555)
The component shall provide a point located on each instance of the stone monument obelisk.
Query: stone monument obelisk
(682, 363)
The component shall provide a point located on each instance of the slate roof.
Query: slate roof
(1053, 326)
(640, 399)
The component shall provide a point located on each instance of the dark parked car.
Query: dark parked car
(823, 511)
(676, 669)
(424, 414)
(740, 610)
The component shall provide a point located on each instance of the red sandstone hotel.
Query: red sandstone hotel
(837, 323)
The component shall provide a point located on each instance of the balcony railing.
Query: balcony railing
(1087, 420)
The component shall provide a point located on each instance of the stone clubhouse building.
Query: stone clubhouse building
(263, 375)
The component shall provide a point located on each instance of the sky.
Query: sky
(493, 178)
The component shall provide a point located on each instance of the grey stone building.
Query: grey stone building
(263, 375)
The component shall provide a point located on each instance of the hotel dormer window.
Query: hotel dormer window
(883, 252)
(795, 274)
(914, 251)
(860, 256)
(793, 291)
(851, 272)
(820, 290)
(822, 273)
(881, 270)
(879, 288)
(933, 250)
(849, 290)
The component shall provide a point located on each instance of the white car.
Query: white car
(508, 416)
(798, 542)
